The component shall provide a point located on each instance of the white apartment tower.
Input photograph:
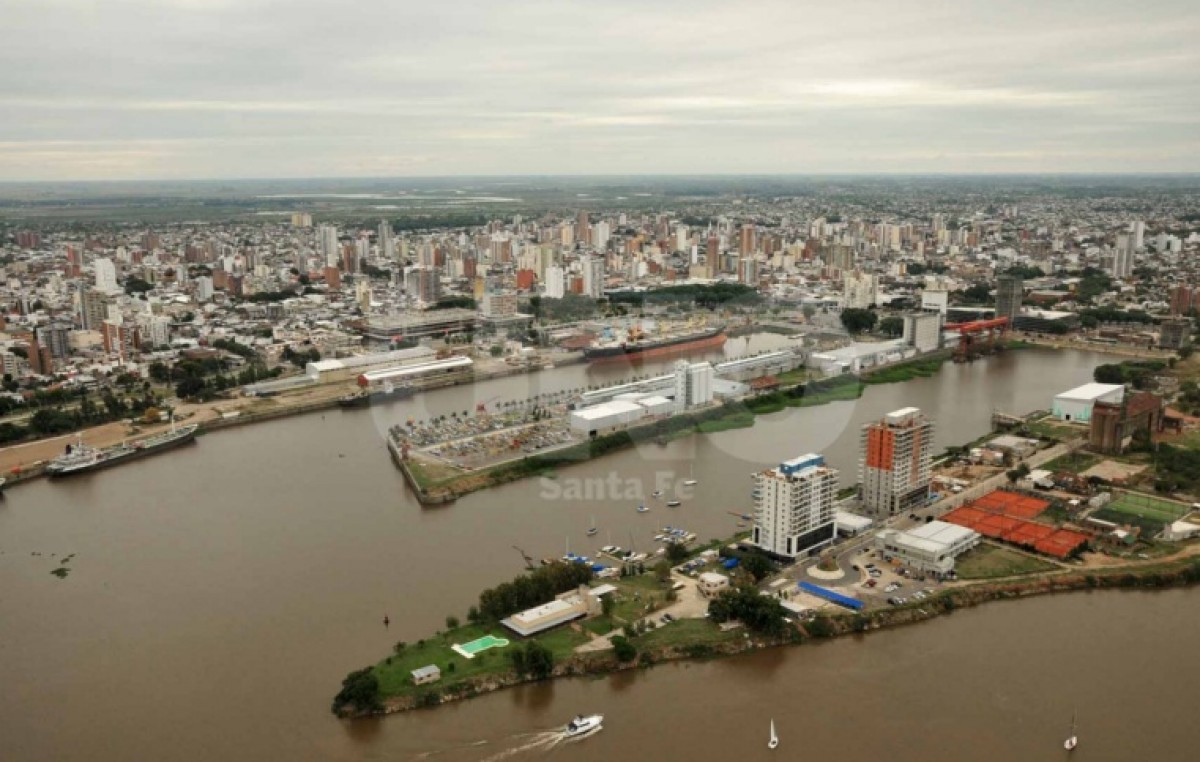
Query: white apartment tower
(693, 384)
(861, 290)
(794, 507)
(106, 276)
(896, 462)
(556, 282)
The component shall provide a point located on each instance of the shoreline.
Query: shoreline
(1150, 575)
(216, 419)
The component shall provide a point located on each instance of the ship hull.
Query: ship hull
(132, 454)
(365, 400)
(638, 354)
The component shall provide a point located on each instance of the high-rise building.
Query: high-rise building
(923, 330)
(748, 270)
(387, 244)
(895, 465)
(204, 288)
(1181, 300)
(54, 338)
(693, 384)
(106, 276)
(601, 232)
(425, 284)
(120, 338)
(1139, 235)
(1009, 291)
(794, 513)
(747, 243)
(860, 290)
(327, 235)
(93, 308)
(556, 282)
(712, 257)
(593, 277)
(583, 229)
(1175, 333)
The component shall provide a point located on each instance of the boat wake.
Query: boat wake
(543, 741)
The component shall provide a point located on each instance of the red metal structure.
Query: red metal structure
(978, 336)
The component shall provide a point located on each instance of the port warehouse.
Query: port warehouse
(770, 362)
(413, 364)
(413, 372)
(1077, 404)
(430, 323)
(622, 411)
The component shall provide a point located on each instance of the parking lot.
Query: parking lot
(883, 583)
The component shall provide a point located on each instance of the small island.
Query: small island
(579, 624)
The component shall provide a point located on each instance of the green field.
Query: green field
(1075, 462)
(992, 562)
(395, 672)
(687, 632)
(1144, 511)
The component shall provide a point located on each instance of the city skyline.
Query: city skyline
(188, 90)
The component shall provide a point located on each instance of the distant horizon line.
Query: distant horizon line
(619, 175)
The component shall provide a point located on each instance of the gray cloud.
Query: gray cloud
(294, 88)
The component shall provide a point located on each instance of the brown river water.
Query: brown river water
(220, 593)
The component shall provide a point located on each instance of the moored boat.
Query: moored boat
(81, 458)
(636, 346)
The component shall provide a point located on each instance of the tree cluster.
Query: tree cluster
(532, 659)
(859, 320)
(359, 693)
(532, 589)
(759, 613)
(1135, 372)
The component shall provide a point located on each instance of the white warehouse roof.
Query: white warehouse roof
(1093, 391)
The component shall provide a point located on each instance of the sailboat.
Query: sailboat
(592, 529)
(1072, 740)
(774, 742)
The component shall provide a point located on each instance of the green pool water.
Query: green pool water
(480, 644)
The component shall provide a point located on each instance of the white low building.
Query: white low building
(931, 547)
(1076, 404)
(851, 524)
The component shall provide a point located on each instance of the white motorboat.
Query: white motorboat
(592, 530)
(642, 508)
(774, 742)
(656, 493)
(1072, 740)
(673, 503)
(583, 725)
(690, 483)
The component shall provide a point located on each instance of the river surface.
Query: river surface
(220, 593)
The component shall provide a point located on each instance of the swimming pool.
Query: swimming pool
(479, 644)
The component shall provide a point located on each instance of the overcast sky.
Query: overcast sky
(130, 89)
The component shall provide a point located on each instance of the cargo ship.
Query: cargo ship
(366, 397)
(636, 346)
(81, 458)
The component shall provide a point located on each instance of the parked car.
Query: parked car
(871, 583)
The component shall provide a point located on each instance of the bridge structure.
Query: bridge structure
(978, 337)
